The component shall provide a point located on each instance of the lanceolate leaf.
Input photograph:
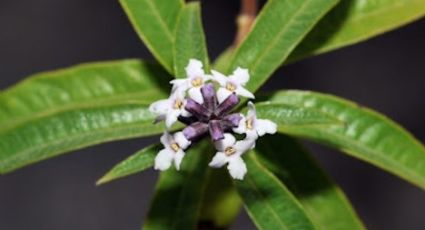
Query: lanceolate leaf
(325, 203)
(366, 135)
(190, 39)
(137, 162)
(354, 21)
(280, 26)
(155, 23)
(295, 119)
(178, 195)
(268, 202)
(59, 111)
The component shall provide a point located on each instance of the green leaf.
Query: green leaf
(367, 135)
(155, 23)
(221, 204)
(222, 62)
(178, 194)
(325, 203)
(279, 28)
(137, 162)
(59, 111)
(268, 202)
(190, 39)
(357, 20)
(295, 119)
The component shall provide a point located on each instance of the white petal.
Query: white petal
(240, 76)
(179, 84)
(160, 107)
(219, 77)
(229, 140)
(171, 118)
(244, 145)
(244, 92)
(251, 134)
(241, 127)
(195, 94)
(237, 168)
(166, 139)
(252, 113)
(222, 94)
(181, 140)
(218, 160)
(163, 159)
(194, 69)
(178, 157)
(265, 126)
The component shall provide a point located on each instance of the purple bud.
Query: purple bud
(195, 131)
(232, 119)
(227, 105)
(197, 109)
(210, 98)
(216, 131)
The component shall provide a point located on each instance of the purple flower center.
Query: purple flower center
(210, 116)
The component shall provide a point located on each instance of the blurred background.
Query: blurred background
(386, 73)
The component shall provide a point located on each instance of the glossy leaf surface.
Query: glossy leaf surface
(356, 20)
(366, 135)
(268, 202)
(155, 22)
(190, 39)
(295, 119)
(59, 111)
(137, 162)
(324, 201)
(279, 28)
(178, 194)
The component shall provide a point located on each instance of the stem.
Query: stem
(245, 20)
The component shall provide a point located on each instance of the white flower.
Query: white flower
(173, 151)
(253, 127)
(230, 151)
(170, 109)
(233, 84)
(196, 78)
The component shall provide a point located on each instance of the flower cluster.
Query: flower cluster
(195, 102)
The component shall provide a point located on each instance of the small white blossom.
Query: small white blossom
(230, 151)
(170, 109)
(195, 79)
(233, 84)
(173, 151)
(254, 127)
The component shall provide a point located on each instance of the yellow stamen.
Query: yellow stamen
(248, 123)
(229, 151)
(178, 104)
(175, 147)
(230, 87)
(197, 82)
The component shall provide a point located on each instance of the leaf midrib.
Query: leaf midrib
(60, 141)
(93, 103)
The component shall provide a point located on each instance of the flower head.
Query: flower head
(195, 79)
(195, 103)
(233, 84)
(253, 127)
(230, 152)
(174, 146)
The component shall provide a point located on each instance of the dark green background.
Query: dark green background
(385, 73)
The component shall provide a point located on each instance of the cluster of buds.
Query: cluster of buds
(195, 102)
